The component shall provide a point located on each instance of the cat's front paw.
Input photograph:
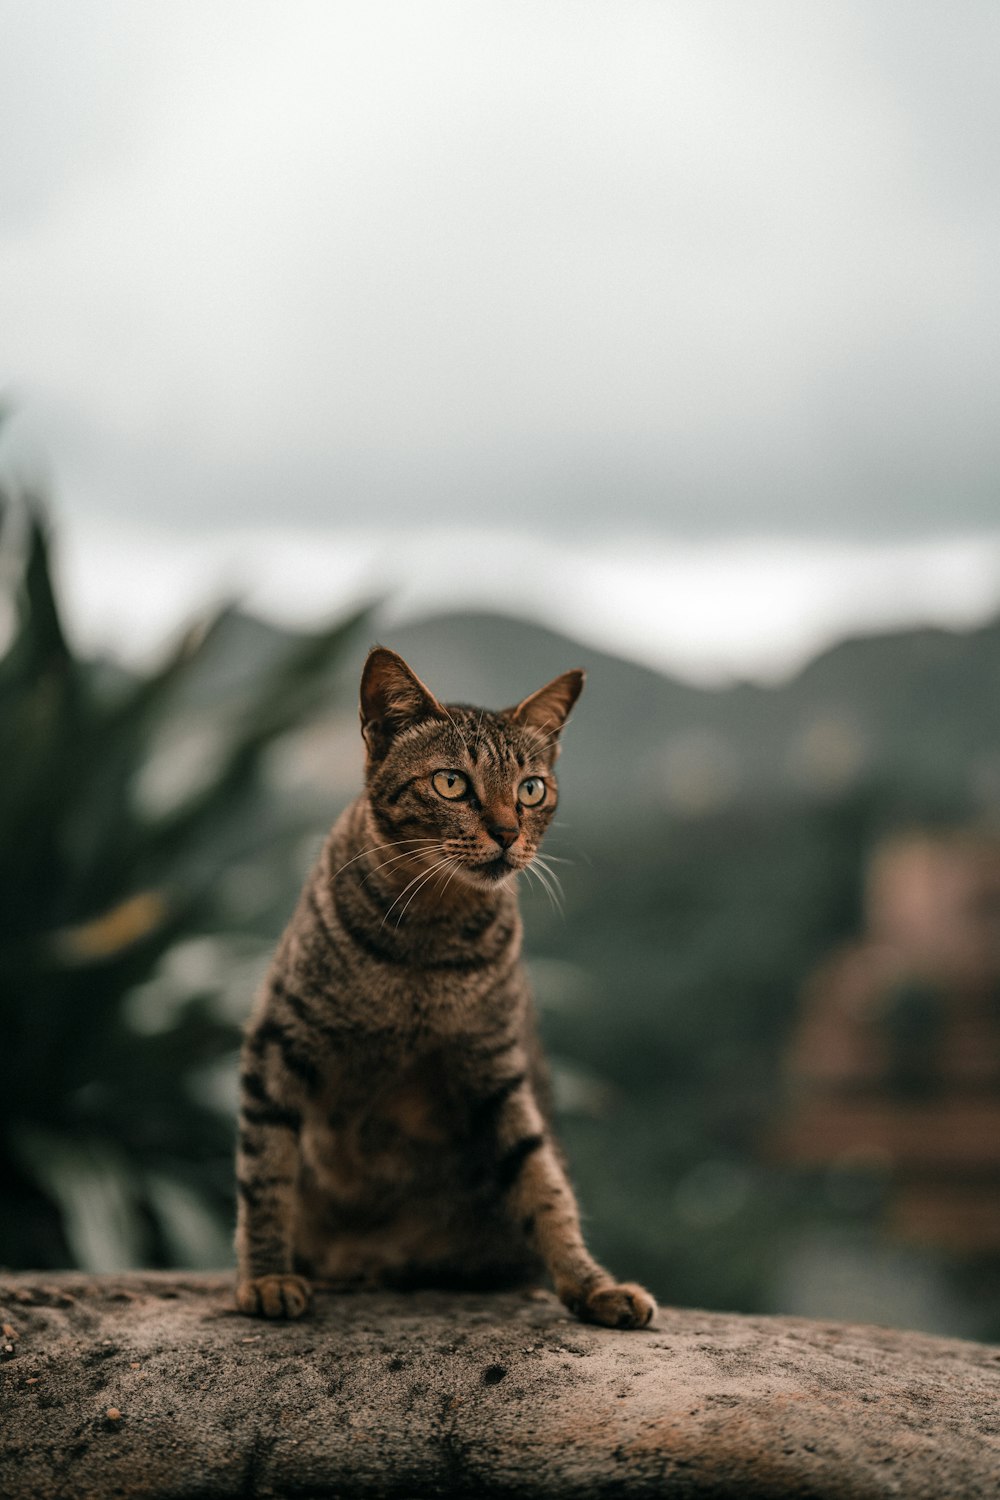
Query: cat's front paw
(614, 1306)
(274, 1296)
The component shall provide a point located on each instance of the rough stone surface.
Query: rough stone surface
(152, 1386)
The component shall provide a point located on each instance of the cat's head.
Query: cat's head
(477, 785)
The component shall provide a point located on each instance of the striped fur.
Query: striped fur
(394, 1127)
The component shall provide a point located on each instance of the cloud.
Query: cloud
(707, 610)
(702, 267)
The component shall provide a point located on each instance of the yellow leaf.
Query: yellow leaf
(125, 924)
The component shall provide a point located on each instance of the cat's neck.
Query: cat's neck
(423, 926)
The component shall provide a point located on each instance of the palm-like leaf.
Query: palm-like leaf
(96, 890)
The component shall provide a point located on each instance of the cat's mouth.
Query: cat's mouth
(496, 869)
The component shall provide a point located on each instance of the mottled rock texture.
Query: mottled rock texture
(152, 1386)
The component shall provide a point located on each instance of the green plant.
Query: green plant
(114, 1147)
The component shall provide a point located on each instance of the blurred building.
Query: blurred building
(895, 1062)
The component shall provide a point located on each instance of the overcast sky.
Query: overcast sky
(633, 285)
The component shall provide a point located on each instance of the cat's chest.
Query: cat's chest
(444, 1007)
(389, 1122)
(420, 1102)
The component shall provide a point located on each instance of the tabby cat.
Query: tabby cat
(394, 1122)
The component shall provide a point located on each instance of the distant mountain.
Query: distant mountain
(917, 709)
(924, 702)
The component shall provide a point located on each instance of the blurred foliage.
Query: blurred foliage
(684, 1011)
(689, 945)
(113, 1148)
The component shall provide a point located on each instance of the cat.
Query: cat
(394, 1124)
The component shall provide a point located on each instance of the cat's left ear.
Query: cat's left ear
(547, 710)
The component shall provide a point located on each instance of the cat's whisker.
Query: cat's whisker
(372, 849)
(531, 871)
(546, 879)
(402, 893)
(395, 860)
(531, 874)
(420, 876)
(441, 863)
(456, 865)
(544, 861)
(559, 826)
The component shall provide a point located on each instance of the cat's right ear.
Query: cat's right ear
(392, 697)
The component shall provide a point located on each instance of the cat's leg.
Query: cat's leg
(538, 1193)
(267, 1162)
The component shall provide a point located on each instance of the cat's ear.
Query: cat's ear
(547, 710)
(392, 697)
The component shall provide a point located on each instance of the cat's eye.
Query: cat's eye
(450, 784)
(531, 791)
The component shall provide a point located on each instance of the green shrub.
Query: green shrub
(114, 1146)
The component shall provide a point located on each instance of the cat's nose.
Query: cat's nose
(503, 835)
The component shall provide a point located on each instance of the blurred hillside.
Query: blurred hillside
(916, 712)
(917, 708)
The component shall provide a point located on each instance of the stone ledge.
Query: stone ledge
(150, 1385)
